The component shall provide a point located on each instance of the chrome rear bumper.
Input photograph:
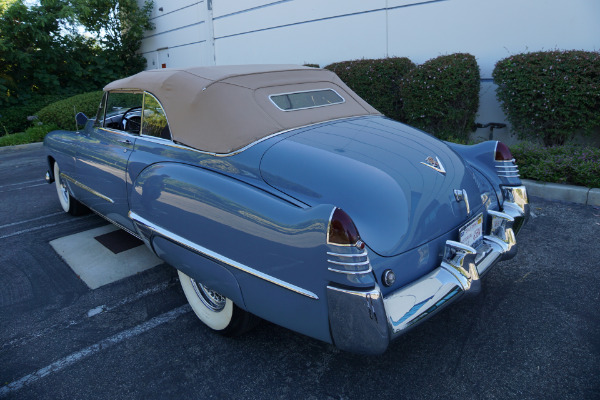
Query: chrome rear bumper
(366, 321)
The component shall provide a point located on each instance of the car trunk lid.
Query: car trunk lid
(395, 182)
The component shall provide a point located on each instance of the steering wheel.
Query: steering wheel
(132, 123)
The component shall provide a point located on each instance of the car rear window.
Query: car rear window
(306, 99)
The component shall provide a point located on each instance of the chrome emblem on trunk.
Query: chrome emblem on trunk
(435, 164)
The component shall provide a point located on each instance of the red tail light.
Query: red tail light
(342, 230)
(503, 152)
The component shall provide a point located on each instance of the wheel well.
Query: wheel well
(51, 162)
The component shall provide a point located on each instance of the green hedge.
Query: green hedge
(550, 95)
(14, 119)
(376, 81)
(441, 96)
(577, 165)
(62, 114)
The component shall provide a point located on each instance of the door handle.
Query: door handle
(126, 141)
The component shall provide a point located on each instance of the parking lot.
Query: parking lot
(533, 332)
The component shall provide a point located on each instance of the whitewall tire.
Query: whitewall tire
(68, 203)
(214, 310)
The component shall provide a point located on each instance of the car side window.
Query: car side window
(124, 111)
(154, 121)
(100, 114)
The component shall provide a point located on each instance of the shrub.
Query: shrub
(578, 165)
(550, 95)
(441, 96)
(31, 135)
(62, 113)
(14, 119)
(376, 81)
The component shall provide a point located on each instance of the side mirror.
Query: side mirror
(81, 119)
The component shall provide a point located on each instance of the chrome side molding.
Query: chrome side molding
(147, 229)
(81, 185)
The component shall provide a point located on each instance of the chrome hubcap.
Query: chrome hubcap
(63, 190)
(211, 299)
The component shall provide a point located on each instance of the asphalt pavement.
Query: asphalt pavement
(532, 333)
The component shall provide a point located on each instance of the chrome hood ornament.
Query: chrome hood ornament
(435, 164)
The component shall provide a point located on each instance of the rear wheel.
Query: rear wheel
(68, 203)
(215, 310)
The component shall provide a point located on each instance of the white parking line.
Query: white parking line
(20, 183)
(31, 220)
(92, 312)
(37, 228)
(21, 188)
(93, 349)
(128, 299)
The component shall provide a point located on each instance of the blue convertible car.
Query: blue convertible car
(278, 193)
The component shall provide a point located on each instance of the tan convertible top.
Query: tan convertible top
(225, 108)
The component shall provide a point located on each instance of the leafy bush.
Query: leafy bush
(376, 81)
(31, 135)
(62, 113)
(578, 165)
(14, 119)
(441, 96)
(550, 94)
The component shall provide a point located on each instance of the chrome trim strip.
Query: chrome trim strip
(113, 130)
(166, 117)
(218, 257)
(307, 91)
(81, 185)
(363, 254)
(512, 161)
(344, 271)
(350, 264)
(116, 224)
(514, 166)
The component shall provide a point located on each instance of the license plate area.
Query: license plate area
(471, 233)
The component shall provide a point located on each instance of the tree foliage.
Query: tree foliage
(67, 46)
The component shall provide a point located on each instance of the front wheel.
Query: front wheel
(68, 203)
(215, 310)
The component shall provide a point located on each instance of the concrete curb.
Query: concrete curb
(556, 191)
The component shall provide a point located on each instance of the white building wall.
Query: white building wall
(182, 35)
(315, 31)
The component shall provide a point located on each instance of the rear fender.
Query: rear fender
(227, 233)
(481, 157)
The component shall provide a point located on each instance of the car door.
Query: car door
(104, 153)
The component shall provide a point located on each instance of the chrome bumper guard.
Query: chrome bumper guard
(366, 321)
